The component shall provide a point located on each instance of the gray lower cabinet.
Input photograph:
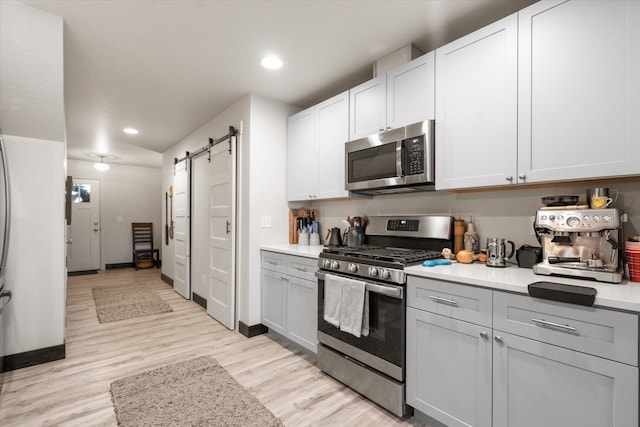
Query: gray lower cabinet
(563, 365)
(449, 369)
(289, 301)
(537, 363)
(537, 384)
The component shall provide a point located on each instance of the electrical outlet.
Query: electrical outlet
(265, 221)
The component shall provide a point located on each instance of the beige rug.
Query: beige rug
(197, 392)
(127, 301)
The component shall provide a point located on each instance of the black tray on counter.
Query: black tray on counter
(581, 295)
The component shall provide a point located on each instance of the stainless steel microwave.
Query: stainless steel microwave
(396, 161)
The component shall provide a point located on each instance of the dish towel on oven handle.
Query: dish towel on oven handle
(346, 305)
(332, 298)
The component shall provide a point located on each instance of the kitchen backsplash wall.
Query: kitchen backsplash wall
(496, 213)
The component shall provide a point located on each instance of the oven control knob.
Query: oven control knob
(335, 265)
(326, 263)
(353, 268)
(385, 274)
(373, 271)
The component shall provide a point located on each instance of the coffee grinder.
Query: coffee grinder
(580, 243)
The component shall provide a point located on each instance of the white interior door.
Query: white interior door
(84, 232)
(222, 251)
(181, 229)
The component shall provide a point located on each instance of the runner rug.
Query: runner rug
(127, 301)
(196, 392)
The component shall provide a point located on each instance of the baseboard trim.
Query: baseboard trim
(166, 279)
(81, 273)
(118, 265)
(202, 302)
(253, 330)
(32, 358)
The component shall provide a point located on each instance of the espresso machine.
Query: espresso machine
(580, 243)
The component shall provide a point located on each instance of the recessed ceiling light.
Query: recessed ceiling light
(271, 62)
(130, 131)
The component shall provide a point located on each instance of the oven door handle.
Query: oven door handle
(386, 290)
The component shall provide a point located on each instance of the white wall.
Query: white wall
(31, 66)
(266, 195)
(132, 192)
(33, 123)
(496, 213)
(35, 272)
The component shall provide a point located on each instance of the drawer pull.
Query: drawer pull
(554, 325)
(444, 300)
(301, 269)
(272, 262)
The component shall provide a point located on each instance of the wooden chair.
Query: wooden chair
(144, 255)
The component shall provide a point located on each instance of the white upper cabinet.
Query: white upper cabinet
(315, 149)
(411, 92)
(367, 114)
(402, 96)
(301, 162)
(332, 132)
(548, 94)
(476, 108)
(579, 90)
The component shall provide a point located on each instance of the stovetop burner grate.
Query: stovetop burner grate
(399, 255)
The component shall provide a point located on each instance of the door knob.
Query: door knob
(95, 229)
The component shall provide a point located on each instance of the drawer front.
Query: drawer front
(304, 268)
(597, 331)
(273, 261)
(463, 302)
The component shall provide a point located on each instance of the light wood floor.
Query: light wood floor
(75, 391)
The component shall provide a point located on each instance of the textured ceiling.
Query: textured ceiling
(168, 67)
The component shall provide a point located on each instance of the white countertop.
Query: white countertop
(298, 250)
(624, 296)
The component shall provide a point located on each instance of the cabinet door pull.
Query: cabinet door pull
(554, 325)
(498, 339)
(484, 335)
(444, 300)
(283, 278)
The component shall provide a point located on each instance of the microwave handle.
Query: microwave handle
(399, 158)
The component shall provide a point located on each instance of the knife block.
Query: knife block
(294, 214)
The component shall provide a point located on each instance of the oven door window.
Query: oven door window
(386, 327)
(372, 163)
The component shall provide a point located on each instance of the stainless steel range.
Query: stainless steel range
(373, 362)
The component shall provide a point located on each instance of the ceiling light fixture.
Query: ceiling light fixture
(271, 62)
(101, 165)
(130, 131)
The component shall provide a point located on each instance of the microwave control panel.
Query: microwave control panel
(413, 161)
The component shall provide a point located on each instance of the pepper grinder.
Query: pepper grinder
(458, 235)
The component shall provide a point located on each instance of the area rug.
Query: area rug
(196, 392)
(127, 301)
